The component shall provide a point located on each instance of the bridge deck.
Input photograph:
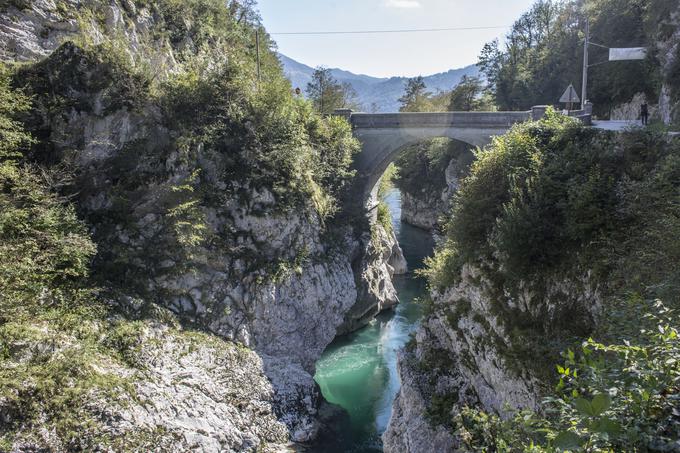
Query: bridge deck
(437, 120)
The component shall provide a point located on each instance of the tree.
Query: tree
(489, 63)
(244, 11)
(466, 95)
(327, 94)
(542, 53)
(415, 98)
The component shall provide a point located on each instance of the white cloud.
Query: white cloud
(402, 3)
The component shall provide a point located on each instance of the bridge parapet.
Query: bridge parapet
(384, 135)
(491, 120)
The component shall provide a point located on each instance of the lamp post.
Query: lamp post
(584, 84)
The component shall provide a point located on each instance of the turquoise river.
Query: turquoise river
(359, 371)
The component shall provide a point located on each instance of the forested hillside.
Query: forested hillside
(560, 266)
(543, 53)
(375, 93)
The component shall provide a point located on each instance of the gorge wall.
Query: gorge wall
(524, 276)
(199, 203)
(428, 177)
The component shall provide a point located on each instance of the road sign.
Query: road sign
(628, 53)
(570, 96)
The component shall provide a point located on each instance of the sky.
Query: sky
(393, 54)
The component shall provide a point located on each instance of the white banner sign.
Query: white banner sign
(627, 53)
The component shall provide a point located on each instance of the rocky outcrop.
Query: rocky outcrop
(260, 275)
(373, 270)
(273, 286)
(396, 260)
(423, 209)
(32, 30)
(465, 354)
(207, 395)
(630, 111)
(189, 392)
(668, 50)
(409, 429)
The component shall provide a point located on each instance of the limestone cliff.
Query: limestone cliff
(373, 273)
(429, 175)
(466, 354)
(668, 49)
(192, 222)
(423, 208)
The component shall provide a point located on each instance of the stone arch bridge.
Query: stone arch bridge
(384, 135)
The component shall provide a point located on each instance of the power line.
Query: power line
(373, 32)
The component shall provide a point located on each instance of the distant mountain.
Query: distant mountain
(375, 93)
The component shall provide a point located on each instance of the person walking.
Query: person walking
(644, 113)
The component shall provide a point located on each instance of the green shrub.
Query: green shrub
(53, 360)
(620, 397)
(549, 201)
(550, 192)
(385, 217)
(13, 138)
(422, 167)
(72, 76)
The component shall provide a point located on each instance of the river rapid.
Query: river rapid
(359, 371)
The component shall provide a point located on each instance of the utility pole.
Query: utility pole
(257, 49)
(584, 85)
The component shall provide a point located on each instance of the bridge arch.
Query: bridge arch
(384, 136)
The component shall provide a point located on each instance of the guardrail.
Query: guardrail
(488, 120)
(444, 119)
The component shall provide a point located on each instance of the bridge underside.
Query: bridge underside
(383, 136)
(380, 147)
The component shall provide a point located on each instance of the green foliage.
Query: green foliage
(467, 95)
(18, 4)
(384, 217)
(292, 150)
(540, 56)
(620, 397)
(187, 219)
(545, 199)
(328, 95)
(13, 138)
(61, 83)
(416, 98)
(51, 347)
(547, 191)
(422, 167)
(482, 432)
(225, 136)
(43, 244)
(387, 179)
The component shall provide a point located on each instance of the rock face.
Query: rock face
(32, 30)
(208, 396)
(266, 278)
(373, 272)
(409, 429)
(669, 52)
(462, 356)
(423, 209)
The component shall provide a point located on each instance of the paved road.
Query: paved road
(620, 125)
(616, 125)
